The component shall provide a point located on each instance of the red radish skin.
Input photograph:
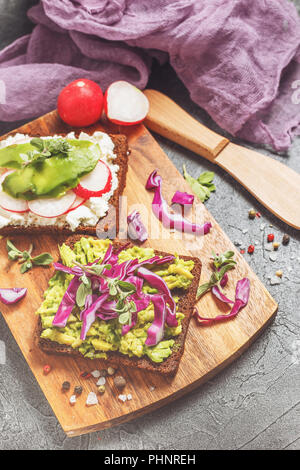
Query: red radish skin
(52, 207)
(8, 203)
(96, 183)
(77, 203)
(132, 102)
(80, 103)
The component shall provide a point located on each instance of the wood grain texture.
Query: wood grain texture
(208, 349)
(264, 177)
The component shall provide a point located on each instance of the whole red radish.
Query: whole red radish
(125, 104)
(80, 103)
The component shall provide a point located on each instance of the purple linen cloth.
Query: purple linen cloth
(240, 60)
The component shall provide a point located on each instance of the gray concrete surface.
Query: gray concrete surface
(254, 403)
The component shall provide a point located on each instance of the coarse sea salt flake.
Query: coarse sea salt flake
(72, 399)
(96, 373)
(129, 396)
(122, 398)
(101, 381)
(91, 399)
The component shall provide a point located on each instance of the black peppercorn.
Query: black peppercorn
(65, 386)
(78, 390)
(285, 239)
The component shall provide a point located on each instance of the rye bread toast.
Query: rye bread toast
(167, 367)
(109, 223)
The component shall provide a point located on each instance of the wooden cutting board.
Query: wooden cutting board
(208, 349)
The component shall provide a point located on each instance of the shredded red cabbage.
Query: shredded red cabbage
(158, 283)
(131, 271)
(242, 293)
(155, 332)
(217, 293)
(67, 304)
(161, 211)
(136, 228)
(12, 295)
(184, 199)
(89, 315)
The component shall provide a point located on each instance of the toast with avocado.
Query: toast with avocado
(125, 304)
(62, 184)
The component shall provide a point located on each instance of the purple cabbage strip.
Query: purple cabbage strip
(217, 293)
(155, 332)
(66, 306)
(75, 270)
(183, 199)
(171, 221)
(242, 293)
(112, 256)
(155, 281)
(155, 260)
(127, 328)
(224, 280)
(12, 295)
(136, 228)
(89, 315)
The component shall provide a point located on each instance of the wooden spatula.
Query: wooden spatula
(272, 183)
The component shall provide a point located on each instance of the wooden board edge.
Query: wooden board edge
(74, 432)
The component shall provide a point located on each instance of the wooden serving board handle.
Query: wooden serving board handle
(168, 119)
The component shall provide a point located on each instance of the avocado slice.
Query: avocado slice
(53, 176)
(14, 156)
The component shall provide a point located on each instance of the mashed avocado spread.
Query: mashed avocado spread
(104, 336)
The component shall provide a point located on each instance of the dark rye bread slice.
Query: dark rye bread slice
(109, 223)
(170, 365)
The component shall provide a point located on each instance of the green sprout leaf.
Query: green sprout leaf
(201, 186)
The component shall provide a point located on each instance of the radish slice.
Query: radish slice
(10, 203)
(52, 207)
(125, 104)
(96, 183)
(78, 202)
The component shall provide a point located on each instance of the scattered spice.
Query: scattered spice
(78, 390)
(252, 214)
(258, 214)
(242, 252)
(271, 237)
(95, 374)
(119, 382)
(122, 398)
(65, 386)
(103, 373)
(279, 273)
(101, 389)
(274, 281)
(111, 371)
(91, 399)
(276, 245)
(72, 400)
(46, 369)
(285, 239)
(251, 249)
(85, 375)
(101, 381)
